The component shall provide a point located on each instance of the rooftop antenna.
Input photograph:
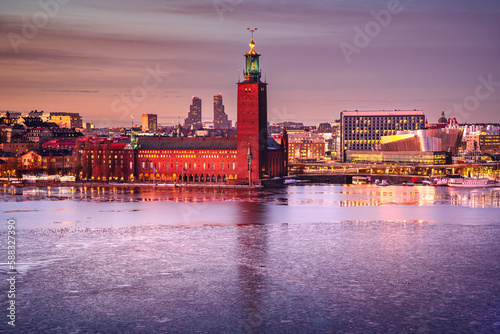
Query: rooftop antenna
(252, 30)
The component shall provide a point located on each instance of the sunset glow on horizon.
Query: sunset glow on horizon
(108, 61)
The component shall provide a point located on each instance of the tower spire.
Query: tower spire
(252, 70)
(252, 44)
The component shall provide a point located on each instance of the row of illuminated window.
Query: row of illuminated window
(192, 156)
(186, 165)
(378, 128)
(365, 119)
(379, 121)
(188, 151)
(376, 132)
(362, 141)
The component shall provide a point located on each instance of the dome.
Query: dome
(442, 119)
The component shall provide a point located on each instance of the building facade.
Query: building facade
(66, 120)
(194, 116)
(150, 123)
(489, 142)
(411, 157)
(361, 130)
(245, 158)
(305, 146)
(220, 117)
(47, 161)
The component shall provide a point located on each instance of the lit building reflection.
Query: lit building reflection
(367, 196)
(252, 252)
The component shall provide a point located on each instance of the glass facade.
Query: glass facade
(428, 158)
(361, 130)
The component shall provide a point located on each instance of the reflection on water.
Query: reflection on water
(104, 207)
(315, 195)
(252, 254)
(303, 259)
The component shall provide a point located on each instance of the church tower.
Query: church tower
(251, 160)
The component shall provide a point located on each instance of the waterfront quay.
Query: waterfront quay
(319, 172)
(336, 172)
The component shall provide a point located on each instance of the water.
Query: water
(305, 259)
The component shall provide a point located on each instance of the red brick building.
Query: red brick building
(251, 154)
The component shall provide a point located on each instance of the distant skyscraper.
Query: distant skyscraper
(149, 123)
(220, 117)
(194, 115)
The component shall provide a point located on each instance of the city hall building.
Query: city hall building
(247, 157)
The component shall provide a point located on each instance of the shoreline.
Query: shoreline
(125, 185)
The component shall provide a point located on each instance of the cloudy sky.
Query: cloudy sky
(109, 60)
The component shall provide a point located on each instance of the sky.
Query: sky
(114, 60)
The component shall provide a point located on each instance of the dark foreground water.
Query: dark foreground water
(306, 259)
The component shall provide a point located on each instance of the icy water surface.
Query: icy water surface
(305, 259)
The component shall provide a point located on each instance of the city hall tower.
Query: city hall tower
(252, 120)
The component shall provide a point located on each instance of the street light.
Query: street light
(249, 158)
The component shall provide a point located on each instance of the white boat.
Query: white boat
(471, 182)
(383, 183)
(441, 182)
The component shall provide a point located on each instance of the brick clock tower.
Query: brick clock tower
(251, 158)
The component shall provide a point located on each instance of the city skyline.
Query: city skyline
(109, 62)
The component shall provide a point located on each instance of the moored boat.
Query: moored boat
(471, 182)
(440, 182)
(383, 183)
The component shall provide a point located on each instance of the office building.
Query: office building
(193, 121)
(361, 130)
(150, 123)
(220, 117)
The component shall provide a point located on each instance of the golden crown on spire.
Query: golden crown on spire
(252, 44)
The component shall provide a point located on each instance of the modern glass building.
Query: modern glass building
(361, 130)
